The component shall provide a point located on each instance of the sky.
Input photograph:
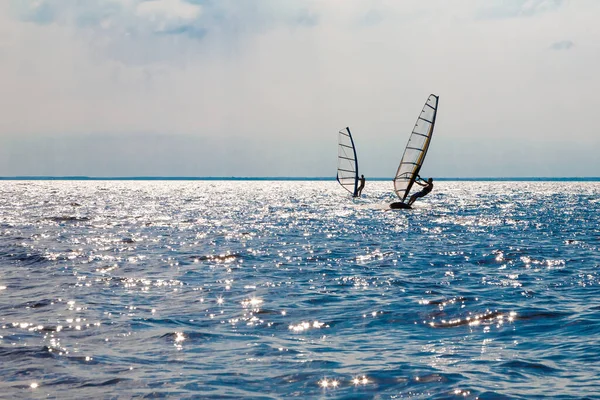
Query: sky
(261, 87)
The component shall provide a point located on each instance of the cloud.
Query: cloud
(168, 9)
(142, 32)
(562, 45)
(156, 16)
(491, 9)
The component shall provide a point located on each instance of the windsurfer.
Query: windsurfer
(361, 186)
(427, 188)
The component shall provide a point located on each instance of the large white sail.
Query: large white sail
(416, 149)
(347, 171)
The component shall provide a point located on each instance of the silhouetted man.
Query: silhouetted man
(361, 186)
(428, 187)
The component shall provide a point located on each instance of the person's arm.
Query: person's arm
(420, 184)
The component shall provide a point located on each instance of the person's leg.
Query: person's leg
(415, 197)
(412, 199)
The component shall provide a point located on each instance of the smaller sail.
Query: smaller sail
(416, 149)
(347, 169)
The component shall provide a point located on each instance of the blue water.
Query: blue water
(274, 289)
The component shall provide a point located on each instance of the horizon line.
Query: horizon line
(276, 178)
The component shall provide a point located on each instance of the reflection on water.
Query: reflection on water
(247, 289)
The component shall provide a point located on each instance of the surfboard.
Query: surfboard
(400, 205)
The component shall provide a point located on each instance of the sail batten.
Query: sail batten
(347, 168)
(416, 148)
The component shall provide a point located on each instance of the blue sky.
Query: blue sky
(260, 88)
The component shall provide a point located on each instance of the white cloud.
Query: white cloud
(516, 8)
(168, 10)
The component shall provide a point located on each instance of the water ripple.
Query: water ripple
(241, 289)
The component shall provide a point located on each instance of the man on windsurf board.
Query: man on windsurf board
(361, 186)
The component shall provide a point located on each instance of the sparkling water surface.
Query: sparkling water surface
(274, 289)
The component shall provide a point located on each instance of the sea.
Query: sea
(271, 289)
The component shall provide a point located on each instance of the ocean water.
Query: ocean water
(258, 289)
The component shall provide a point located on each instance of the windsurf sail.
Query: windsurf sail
(416, 149)
(347, 171)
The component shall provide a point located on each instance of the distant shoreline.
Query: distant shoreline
(276, 178)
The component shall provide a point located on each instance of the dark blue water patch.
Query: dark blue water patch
(102, 382)
(11, 354)
(22, 257)
(495, 396)
(65, 381)
(190, 335)
(529, 368)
